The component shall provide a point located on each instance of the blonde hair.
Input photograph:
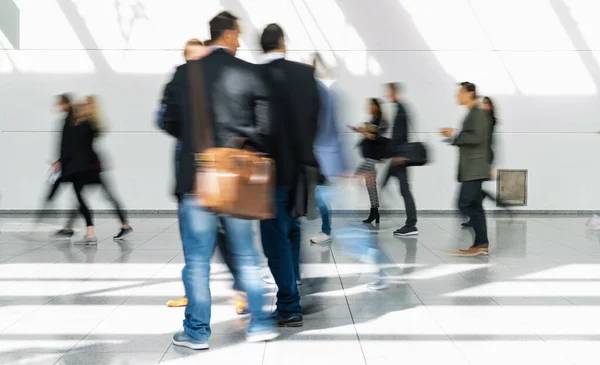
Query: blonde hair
(94, 118)
(192, 42)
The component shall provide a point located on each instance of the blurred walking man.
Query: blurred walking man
(473, 141)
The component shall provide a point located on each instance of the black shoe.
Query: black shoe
(123, 233)
(64, 233)
(467, 224)
(406, 231)
(373, 216)
(293, 321)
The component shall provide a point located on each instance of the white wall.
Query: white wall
(538, 58)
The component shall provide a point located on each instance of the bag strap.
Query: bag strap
(202, 126)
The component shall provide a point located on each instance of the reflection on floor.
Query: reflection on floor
(534, 300)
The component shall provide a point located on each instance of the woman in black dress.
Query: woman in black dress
(85, 167)
(371, 148)
(65, 154)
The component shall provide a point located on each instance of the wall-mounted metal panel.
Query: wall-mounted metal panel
(512, 187)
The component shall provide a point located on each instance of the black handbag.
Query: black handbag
(415, 153)
(377, 149)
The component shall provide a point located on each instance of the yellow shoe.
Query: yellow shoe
(181, 302)
(241, 303)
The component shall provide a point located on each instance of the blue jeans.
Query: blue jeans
(221, 234)
(322, 205)
(360, 243)
(199, 236)
(281, 243)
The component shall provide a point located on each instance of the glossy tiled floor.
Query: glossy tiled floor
(535, 300)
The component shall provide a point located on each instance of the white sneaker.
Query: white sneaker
(321, 239)
(594, 223)
(262, 336)
(378, 285)
(269, 279)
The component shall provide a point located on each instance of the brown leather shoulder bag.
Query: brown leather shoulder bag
(229, 181)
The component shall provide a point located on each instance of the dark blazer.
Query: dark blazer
(84, 158)
(295, 116)
(401, 121)
(66, 150)
(375, 148)
(474, 144)
(239, 107)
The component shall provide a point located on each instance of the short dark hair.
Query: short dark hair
(469, 87)
(208, 43)
(220, 23)
(271, 36)
(395, 86)
(65, 98)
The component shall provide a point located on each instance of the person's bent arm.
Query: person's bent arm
(168, 117)
(262, 113)
(472, 134)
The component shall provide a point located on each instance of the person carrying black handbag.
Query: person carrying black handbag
(373, 148)
(398, 168)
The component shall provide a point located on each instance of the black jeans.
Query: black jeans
(79, 182)
(110, 196)
(401, 173)
(50, 197)
(470, 203)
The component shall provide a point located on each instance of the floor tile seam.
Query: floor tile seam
(87, 279)
(362, 350)
(557, 227)
(99, 323)
(52, 298)
(561, 244)
(400, 274)
(521, 323)
(443, 258)
(165, 354)
(30, 251)
(264, 355)
(438, 255)
(554, 261)
(107, 315)
(121, 304)
(31, 274)
(26, 315)
(96, 271)
(21, 254)
(151, 238)
(446, 231)
(447, 335)
(477, 284)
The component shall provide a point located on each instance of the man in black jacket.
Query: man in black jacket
(236, 102)
(399, 138)
(295, 120)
